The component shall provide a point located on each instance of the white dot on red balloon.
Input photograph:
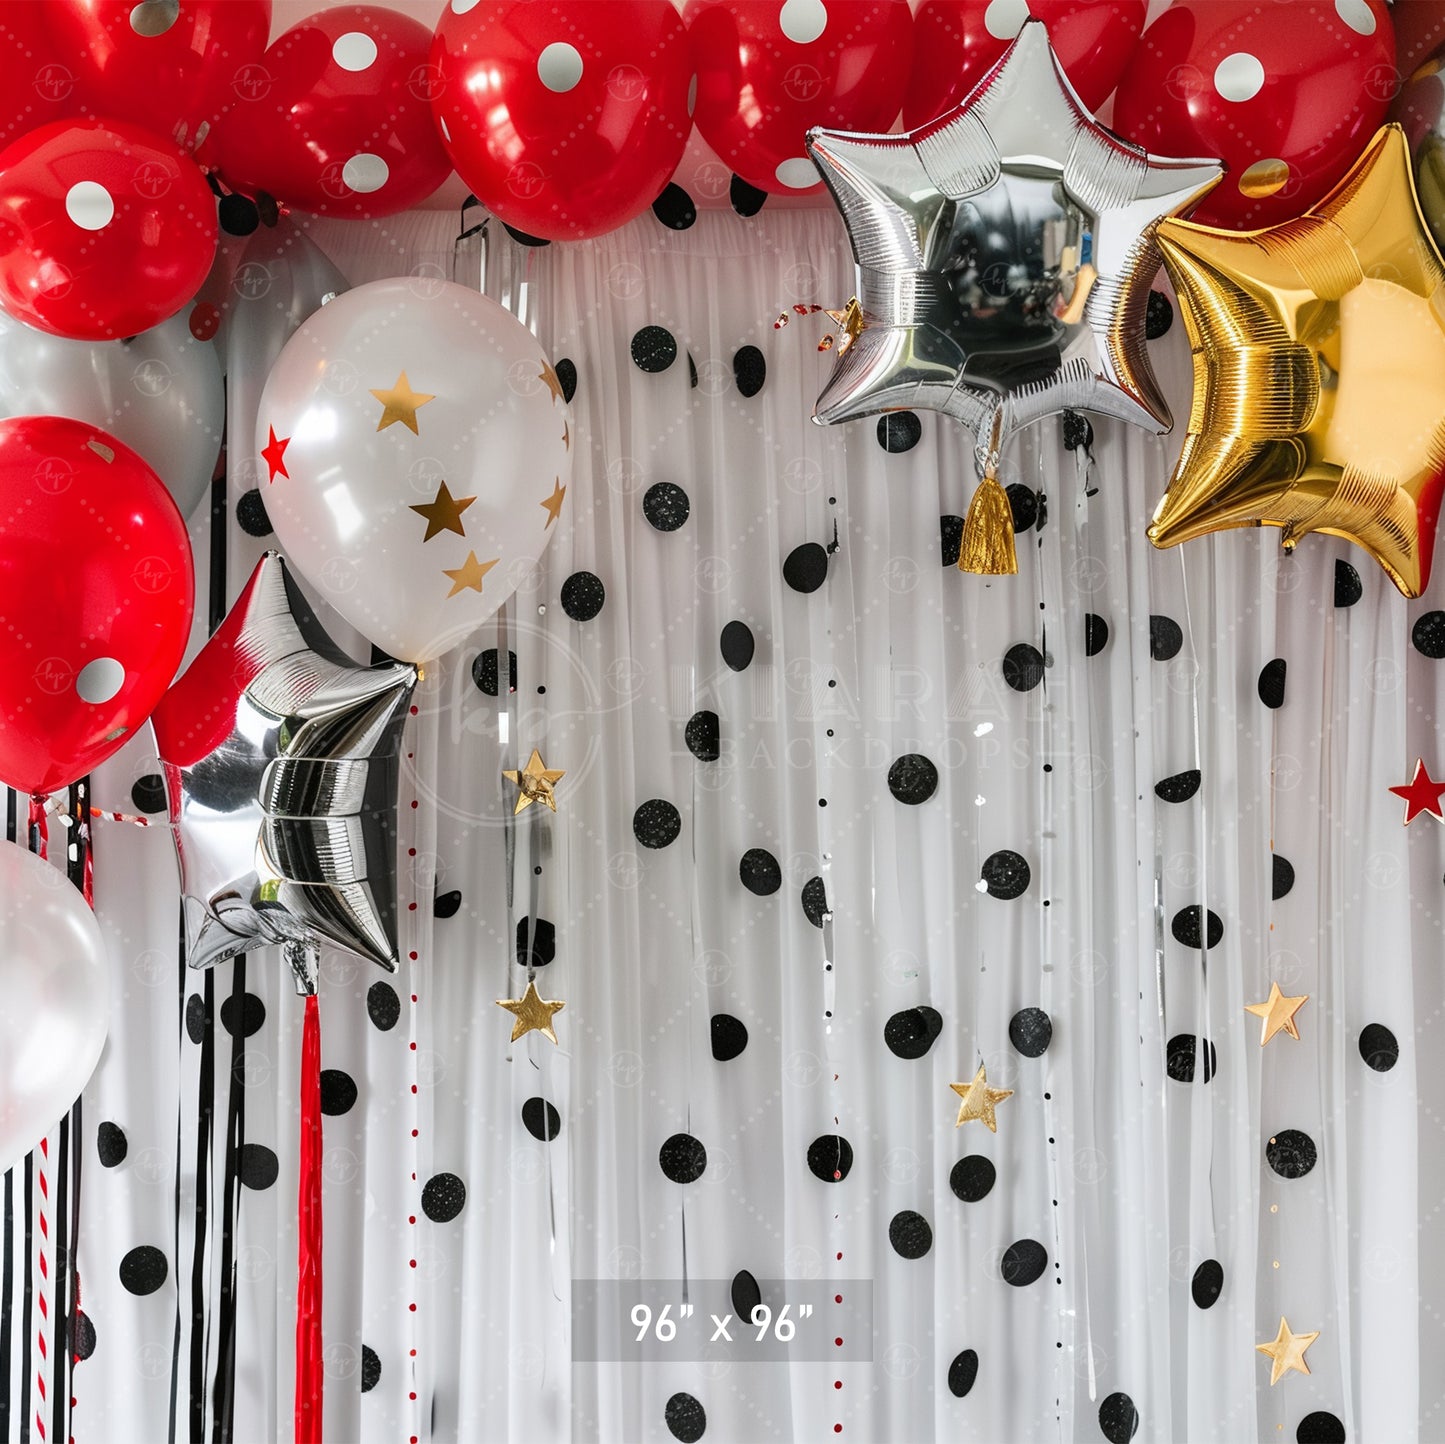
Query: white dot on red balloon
(798, 172)
(1005, 18)
(1239, 76)
(803, 21)
(1357, 15)
(89, 205)
(154, 17)
(559, 66)
(365, 173)
(354, 51)
(692, 95)
(100, 680)
(460, 7)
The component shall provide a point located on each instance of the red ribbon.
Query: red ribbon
(310, 1375)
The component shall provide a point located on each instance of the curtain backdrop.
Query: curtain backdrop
(839, 825)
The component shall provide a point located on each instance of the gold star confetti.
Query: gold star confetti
(443, 513)
(401, 403)
(553, 505)
(532, 1012)
(1278, 1012)
(849, 321)
(534, 783)
(553, 384)
(978, 1100)
(469, 574)
(1286, 1352)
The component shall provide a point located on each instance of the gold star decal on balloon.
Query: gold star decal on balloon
(1319, 372)
(549, 377)
(532, 1012)
(553, 505)
(443, 513)
(978, 1101)
(1277, 1012)
(1286, 1351)
(401, 403)
(469, 574)
(534, 783)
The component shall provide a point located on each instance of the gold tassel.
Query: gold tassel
(988, 532)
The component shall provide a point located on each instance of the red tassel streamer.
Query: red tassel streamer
(309, 1369)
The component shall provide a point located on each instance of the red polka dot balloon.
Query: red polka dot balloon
(1285, 95)
(770, 70)
(35, 87)
(105, 230)
(338, 119)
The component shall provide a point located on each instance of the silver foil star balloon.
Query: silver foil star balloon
(1004, 257)
(280, 758)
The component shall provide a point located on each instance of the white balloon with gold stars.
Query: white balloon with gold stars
(416, 454)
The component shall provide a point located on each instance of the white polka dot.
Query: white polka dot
(559, 66)
(1005, 18)
(354, 51)
(1357, 15)
(100, 680)
(89, 205)
(692, 95)
(1239, 76)
(803, 21)
(460, 7)
(154, 17)
(365, 173)
(799, 173)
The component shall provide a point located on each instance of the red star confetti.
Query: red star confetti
(274, 455)
(1422, 795)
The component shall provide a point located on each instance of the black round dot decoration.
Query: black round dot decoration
(674, 208)
(1185, 927)
(899, 431)
(686, 1418)
(1291, 1153)
(656, 823)
(148, 793)
(143, 1270)
(682, 1158)
(830, 1157)
(1024, 1262)
(1428, 635)
(747, 200)
(654, 349)
(82, 1336)
(259, 1167)
(1379, 1047)
(746, 1295)
(1096, 634)
(338, 1092)
(1348, 590)
(911, 1032)
(522, 238)
(1320, 1427)
(972, 1178)
(1031, 1030)
(195, 1018)
(962, 1372)
(1282, 879)
(1118, 1419)
(541, 1119)
(1078, 434)
(1271, 683)
(910, 1234)
(912, 779)
(1005, 874)
(950, 535)
(238, 215)
(270, 211)
(750, 370)
(1207, 1283)
(110, 1144)
(383, 1006)
(1180, 1054)
(1158, 316)
(729, 1037)
(535, 947)
(1023, 502)
(251, 514)
(806, 567)
(444, 1197)
(737, 645)
(815, 901)
(1165, 638)
(701, 736)
(484, 671)
(246, 1020)
(446, 904)
(691, 372)
(1023, 667)
(566, 372)
(760, 872)
(665, 505)
(370, 1369)
(1180, 787)
(583, 595)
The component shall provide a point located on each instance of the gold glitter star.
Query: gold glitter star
(1278, 1012)
(553, 505)
(1286, 1352)
(532, 1012)
(553, 384)
(534, 783)
(978, 1100)
(469, 574)
(401, 403)
(849, 321)
(443, 513)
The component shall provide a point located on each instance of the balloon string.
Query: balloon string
(54, 808)
(309, 1365)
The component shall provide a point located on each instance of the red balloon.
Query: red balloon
(96, 590)
(1419, 33)
(957, 42)
(105, 229)
(767, 73)
(565, 122)
(35, 87)
(339, 122)
(171, 67)
(1285, 95)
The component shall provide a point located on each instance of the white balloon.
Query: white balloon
(421, 449)
(54, 999)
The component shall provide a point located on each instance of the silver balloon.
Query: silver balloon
(1004, 256)
(160, 392)
(280, 761)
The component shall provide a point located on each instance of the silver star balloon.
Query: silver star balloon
(1004, 256)
(280, 758)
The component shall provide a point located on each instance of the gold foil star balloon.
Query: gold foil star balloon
(1286, 1351)
(533, 1013)
(978, 1101)
(1319, 372)
(534, 783)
